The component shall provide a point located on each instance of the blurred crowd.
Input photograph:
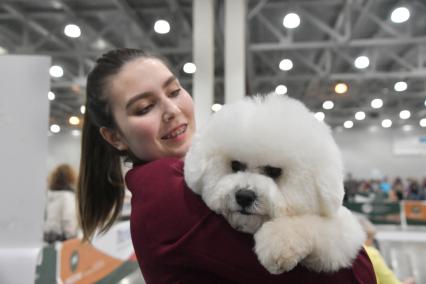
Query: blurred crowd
(395, 190)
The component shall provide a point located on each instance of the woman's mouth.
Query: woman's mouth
(176, 132)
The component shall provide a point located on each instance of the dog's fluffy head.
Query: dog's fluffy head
(264, 157)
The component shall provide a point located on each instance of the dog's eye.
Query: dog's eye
(237, 166)
(272, 172)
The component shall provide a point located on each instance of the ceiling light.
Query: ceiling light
(281, 90)
(386, 123)
(161, 27)
(56, 5)
(75, 88)
(341, 88)
(291, 21)
(400, 86)
(76, 132)
(362, 62)
(286, 64)
(319, 115)
(407, 127)
(56, 71)
(360, 115)
(338, 129)
(74, 120)
(400, 15)
(376, 103)
(83, 109)
(54, 128)
(216, 107)
(3, 50)
(422, 122)
(327, 105)
(100, 44)
(51, 96)
(404, 114)
(373, 128)
(72, 30)
(189, 68)
(348, 124)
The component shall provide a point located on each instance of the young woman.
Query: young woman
(136, 108)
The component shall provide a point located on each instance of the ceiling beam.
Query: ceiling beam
(347, 76)
(128, 11)
(373, 42)
(14, 10)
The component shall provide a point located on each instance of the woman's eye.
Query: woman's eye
(272, 172)
(144, 110)
(237, 166)
(175, 93)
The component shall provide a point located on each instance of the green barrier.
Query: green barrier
(46, 271)
(378, 212)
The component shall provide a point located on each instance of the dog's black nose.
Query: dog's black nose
(245, 197)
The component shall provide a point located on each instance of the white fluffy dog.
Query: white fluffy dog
(272, 169)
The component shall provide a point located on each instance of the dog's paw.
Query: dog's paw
(279, 249)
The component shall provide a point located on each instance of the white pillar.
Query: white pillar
(24, 113)
(235, 47)
(203, 32)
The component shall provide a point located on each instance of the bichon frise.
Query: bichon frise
(272, 169)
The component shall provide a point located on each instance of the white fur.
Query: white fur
(297, 217)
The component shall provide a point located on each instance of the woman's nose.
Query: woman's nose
(170, 110)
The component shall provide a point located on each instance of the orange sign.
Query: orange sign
(82, 263)
(415, 210)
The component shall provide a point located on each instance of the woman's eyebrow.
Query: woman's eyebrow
(169, 81)
(134, 99)
(137, 98)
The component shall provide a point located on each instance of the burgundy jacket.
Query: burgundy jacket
(177, 239)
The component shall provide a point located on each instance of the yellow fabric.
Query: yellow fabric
(383, 273)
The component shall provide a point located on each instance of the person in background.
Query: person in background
(414, 191)
(385, 186)
(384, 275)
(423, 187)
(137, 109)
(61, 216)
(351, 187)
(398, 189)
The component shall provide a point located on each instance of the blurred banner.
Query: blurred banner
(108, 259)
(415, 212)
(410, 145)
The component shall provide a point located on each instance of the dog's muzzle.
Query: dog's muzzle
(245, 198)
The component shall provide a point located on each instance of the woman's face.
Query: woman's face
(153, 113)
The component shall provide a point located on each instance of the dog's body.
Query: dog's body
(269, 167)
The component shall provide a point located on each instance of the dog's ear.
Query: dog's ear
(195, 167)
(329, 184)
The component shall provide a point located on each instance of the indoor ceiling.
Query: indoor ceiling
(331, 35)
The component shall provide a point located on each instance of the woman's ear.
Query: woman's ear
(113, 137)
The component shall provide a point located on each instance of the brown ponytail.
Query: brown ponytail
(100, 189)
